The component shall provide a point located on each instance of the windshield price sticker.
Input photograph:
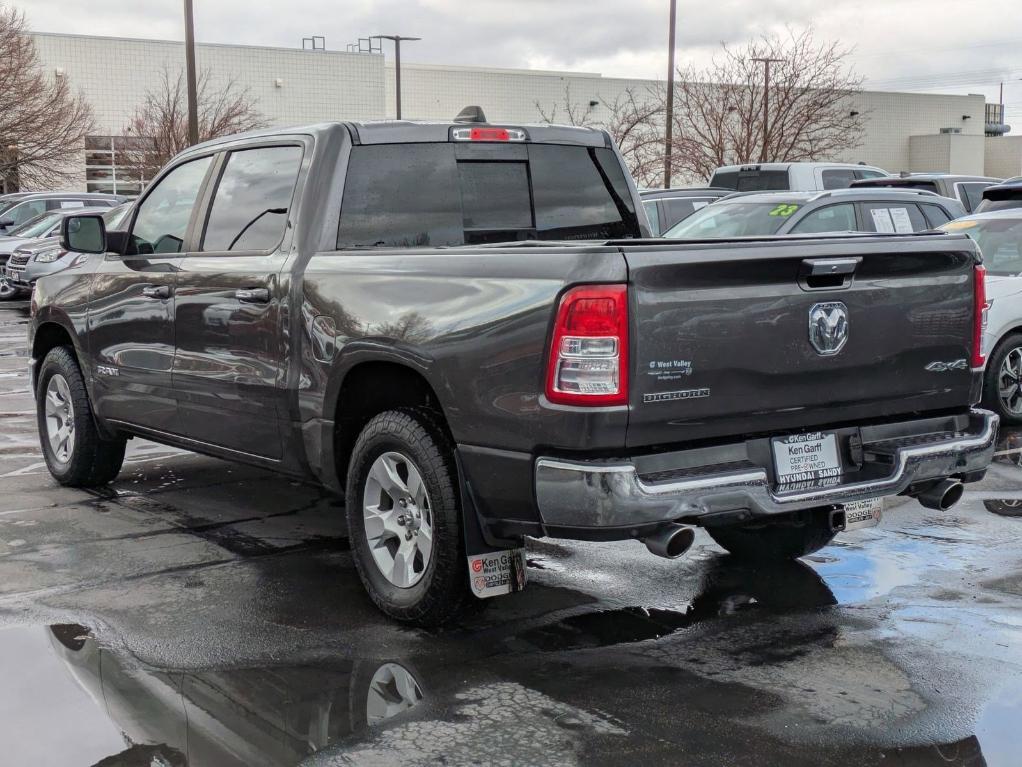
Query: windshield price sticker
(497, 573)
(806, 457)
(784, 209)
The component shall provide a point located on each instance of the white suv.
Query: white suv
(792, 176)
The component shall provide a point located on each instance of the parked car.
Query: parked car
(35, 257)
(791, 176)
(968, 190)
(396, 311)
(1003, 196)
(666, 207)
(841, 210)
(999, 236)
(19, 207)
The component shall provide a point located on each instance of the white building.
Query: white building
(914, 132)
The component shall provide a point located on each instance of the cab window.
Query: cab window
(163, 215)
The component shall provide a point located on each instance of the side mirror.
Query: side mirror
(83, 234)
(7, 223)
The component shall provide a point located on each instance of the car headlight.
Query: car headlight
(49, 256)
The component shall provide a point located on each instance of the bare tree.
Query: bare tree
(633, 119)
(719, 111)
(42, 123)
(159, 128)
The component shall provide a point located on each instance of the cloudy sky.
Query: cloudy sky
(955, 46)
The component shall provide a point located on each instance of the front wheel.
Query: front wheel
(76, 453)
(1002, 389)
(776, 540)
(404, 518)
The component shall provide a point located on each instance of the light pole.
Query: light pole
(669, 139)
(397, 64)
(193, 107)
(766, 62)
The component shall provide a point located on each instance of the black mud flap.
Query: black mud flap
(495, 566)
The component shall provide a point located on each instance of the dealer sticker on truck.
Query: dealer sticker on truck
(806, 457)
(497, 573)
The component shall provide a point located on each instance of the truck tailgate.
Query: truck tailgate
(721, 334)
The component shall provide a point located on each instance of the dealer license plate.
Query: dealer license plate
(860, 514)
(806, 457)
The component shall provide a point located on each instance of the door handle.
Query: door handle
(156, 291)
(253, 295)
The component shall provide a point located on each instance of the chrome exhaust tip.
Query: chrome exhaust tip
(670, 541)
(943, 495)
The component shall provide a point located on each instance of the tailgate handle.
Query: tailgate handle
(827, 273)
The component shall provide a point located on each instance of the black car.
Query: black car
(966, 189)
(666, 207)
(1003, 196)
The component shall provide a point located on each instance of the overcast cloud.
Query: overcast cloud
(954, 46)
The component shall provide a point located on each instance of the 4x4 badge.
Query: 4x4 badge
(828, 327)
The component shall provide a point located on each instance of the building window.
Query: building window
(108, 166)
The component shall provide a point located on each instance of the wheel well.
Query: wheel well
(369, 389)
(49, 336)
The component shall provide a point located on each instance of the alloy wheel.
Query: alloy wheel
(60, 418)
(1009, 381)
(398, 519)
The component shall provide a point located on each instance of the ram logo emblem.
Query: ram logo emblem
(828, 327)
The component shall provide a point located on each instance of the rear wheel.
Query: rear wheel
(782, 539)
(404, 518)
(1002, 389)
(75, 452)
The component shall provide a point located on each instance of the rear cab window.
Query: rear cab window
(837, 178)
(439, 194)
(892, 218)
(752, 179)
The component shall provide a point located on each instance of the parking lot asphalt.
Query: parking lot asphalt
(199, 612)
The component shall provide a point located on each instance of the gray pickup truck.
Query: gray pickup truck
(465, 329)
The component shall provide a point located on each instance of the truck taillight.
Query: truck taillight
(979, 319)
(589, 349)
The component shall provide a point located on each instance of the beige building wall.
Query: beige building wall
(293, 87)
(1004, 156)
(290, 87)
(947, 152)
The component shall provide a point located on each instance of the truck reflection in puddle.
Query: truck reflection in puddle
(257, 716)
(581, 680)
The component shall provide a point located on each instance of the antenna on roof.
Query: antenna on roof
(471, 115)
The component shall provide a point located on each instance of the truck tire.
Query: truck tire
(76, 454)
(404, 518)
(1002, 389)
(776, 540)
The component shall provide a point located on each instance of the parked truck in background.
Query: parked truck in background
(466, 330)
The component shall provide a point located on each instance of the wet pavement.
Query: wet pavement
(203, 613)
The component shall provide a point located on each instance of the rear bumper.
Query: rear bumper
(735, 481)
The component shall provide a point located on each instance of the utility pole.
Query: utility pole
(193, 106)
(766, 102)
(397, 64)
(669, 140)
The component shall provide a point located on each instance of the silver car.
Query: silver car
(35, 257)
(999, 236)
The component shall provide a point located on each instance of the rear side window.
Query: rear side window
(863, 173)
(653, 216)
(837, 178)
(971, 194)
(252, 199)
(423, 195)
(935, 215)
(893, 218)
